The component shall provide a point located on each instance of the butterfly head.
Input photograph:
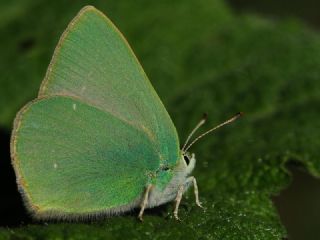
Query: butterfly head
(188, 161)
(186, 157)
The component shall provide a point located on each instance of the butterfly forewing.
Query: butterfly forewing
(94, 62)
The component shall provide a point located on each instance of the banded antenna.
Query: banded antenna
(185, 147)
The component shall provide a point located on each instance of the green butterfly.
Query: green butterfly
(98, 140)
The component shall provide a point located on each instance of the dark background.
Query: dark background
(298, 205)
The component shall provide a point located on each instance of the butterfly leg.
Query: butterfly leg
(178, 200)
(180, 192)
(195, 187)
(144, 202)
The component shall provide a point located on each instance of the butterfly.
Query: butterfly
(97, 140)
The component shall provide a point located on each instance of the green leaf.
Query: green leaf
(200, 58)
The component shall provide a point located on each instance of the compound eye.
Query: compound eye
(186, 159)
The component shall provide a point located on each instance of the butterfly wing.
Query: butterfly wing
(94, 62)
(74, 158)
(98, 130)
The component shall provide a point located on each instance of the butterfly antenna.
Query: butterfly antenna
(235, 117)
(202, 121)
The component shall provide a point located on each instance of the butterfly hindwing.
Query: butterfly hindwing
(73, 157)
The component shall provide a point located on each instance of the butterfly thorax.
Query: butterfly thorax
(178, 176)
